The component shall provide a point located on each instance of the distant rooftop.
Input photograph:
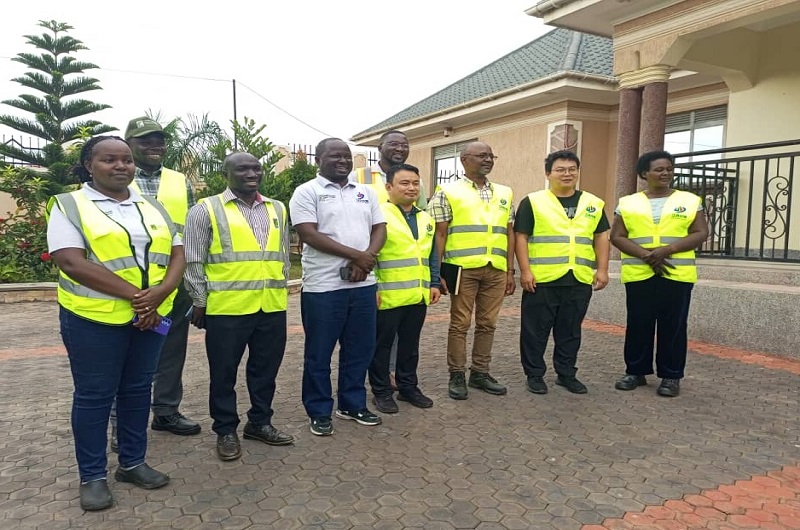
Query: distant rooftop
(559, 51)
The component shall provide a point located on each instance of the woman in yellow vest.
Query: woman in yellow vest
(120, 260)
(657, 231)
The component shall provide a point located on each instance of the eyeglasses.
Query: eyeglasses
(565, 170)
(482, 156)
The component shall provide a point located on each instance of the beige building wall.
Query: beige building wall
(7, 204)
(770, 110)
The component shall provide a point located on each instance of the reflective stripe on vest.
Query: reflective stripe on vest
(403, 269)
(172, 195)
(108, 244)
(680, 210)
(242, 278)
(560, 244)
(478, 233)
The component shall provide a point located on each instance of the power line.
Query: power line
(286, 111)
(215, 80)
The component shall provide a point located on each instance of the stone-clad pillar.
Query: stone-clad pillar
(654, 116)
(646, 89)
(630, 108)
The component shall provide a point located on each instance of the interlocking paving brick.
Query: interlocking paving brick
(517, 461)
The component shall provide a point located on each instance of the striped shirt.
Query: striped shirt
(198, 234)
(149, 183)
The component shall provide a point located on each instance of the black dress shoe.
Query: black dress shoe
(143, 476)
(385, 404)
(630, 382)
(95, 495)
(267, 434)
(176, 424)
(228, 447)
(416, 398)
(669, 387)
(572, 384)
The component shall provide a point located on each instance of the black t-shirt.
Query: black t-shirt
(524, 223)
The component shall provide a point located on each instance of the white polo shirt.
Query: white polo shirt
(345, 214)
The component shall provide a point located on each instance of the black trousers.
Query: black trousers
(264, 334)
(405, 323)
(557, 308)
(662, 304)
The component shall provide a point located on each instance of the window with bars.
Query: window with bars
(447, 163)
(697, 130)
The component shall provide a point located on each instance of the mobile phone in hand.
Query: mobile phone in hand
(163, 326)
(346, 273)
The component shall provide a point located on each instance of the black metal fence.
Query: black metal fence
(22, 143)
(299, 150)
(749, 194)
(443, 177)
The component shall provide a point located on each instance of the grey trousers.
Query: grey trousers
(168, 379)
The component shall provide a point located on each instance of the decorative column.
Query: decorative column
(630, 111)
(650, 84)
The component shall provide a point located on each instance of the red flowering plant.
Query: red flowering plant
(23, 232)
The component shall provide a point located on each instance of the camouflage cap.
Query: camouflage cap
(143, 126)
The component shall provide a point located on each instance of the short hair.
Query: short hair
(79, 169)
(560, 155)
(323, 144)
(387, 133)
(400, 167)
(644, 162)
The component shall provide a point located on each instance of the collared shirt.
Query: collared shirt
(411, 219)
(149, 182)
(439, 207)
(198, 234)
(422, 201)
(61, 233)
(346, 214)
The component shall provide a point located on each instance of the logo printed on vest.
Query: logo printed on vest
(679, 212)
(429, 228)
(360, 197)
(275, 222)
(591, 209)
(503, 204)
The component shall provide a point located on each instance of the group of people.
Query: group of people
(139, 261)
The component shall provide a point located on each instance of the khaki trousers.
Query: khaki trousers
(483, 290)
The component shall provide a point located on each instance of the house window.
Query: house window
(447, 162)
(698, 130)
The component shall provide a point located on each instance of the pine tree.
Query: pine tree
(57, 76)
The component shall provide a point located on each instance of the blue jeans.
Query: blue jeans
(108, 361)
(347, 316)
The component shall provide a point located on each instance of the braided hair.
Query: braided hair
(79, 169)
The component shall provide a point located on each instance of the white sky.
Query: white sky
(339, 66)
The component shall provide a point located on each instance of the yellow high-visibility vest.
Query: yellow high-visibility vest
(478, 233)
(243, 279)
(109, 245)
(560, 244)
(365, 175)
(679, 212)
(403, 270)
(172, 194)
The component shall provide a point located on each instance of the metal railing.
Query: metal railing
(749, 193)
